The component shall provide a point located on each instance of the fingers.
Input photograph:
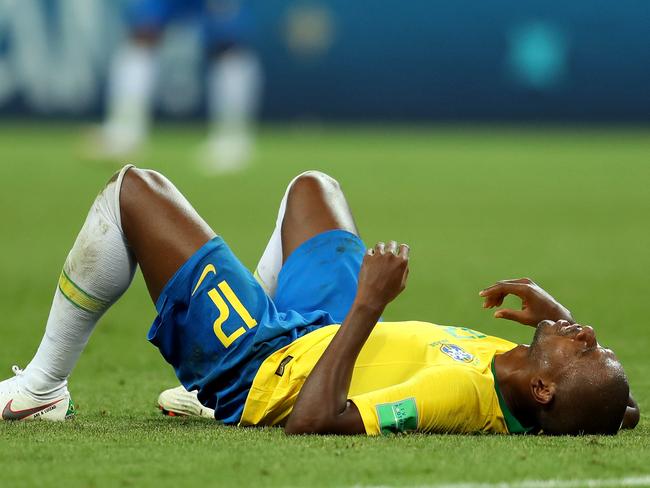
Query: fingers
(404, 251)
(494, 300)
(378, 249)
(523, 288)
(517, 280)
(401, 250)
(495, 294)
(503, 288)
(527, 281)
(517, 315)
(501, 284)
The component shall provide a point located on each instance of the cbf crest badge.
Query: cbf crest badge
(457, 353)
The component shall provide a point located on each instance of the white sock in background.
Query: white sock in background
(131, 87)
(234, 86)
(97, 271)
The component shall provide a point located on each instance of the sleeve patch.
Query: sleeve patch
(401, 416)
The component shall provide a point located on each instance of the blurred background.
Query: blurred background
(500, 139)
(337, 60)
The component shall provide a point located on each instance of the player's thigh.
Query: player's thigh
(160, 225)
(315, 204)
(209, 315)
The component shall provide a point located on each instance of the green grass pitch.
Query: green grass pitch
(568, 207)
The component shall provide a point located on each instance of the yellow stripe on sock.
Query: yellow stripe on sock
(79, 297)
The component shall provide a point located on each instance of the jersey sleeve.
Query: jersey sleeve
(445, 399)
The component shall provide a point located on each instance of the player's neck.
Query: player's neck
(513, 377)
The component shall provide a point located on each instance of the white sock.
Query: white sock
(270, 264)
(234, 84)
(97, 271)
(130, 93)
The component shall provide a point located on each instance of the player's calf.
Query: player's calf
(97, 271)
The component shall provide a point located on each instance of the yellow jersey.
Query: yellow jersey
(409, 377)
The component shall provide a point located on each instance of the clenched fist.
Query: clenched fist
(383, 274)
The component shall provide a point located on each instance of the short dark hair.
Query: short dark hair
(587, 403)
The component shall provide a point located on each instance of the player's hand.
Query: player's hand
(536, 304)
(383, 274)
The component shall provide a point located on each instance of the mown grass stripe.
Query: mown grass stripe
(584, 483)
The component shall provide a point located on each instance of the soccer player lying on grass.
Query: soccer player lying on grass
(271, 352)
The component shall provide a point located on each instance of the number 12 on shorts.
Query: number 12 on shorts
(224, 308)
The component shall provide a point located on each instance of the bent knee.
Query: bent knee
(139, 184)
(139, 180)
(314, 180)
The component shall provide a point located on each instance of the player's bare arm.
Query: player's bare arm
(322, 406)
(537, 305)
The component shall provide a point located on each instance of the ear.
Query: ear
(543, 391)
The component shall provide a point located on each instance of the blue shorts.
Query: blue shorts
(221, 21)
(216, 325)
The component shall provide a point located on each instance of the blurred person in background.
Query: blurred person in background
(233, 80)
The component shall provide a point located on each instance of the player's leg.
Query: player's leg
(233, 86)
(321, 249)
(131, 79)
(160, 253)
(162, 228)
(97, 271)
(313, 203)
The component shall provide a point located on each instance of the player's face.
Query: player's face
(560, 344)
